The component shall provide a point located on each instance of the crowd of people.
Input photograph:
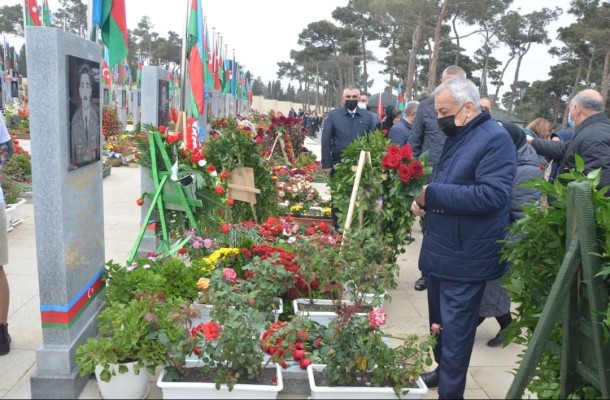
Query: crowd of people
(473, 194)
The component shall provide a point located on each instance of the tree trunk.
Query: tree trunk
(590, 68)
(484, 92)
(317, 87)
(564, 119)
(457, 41)
(437, 45)
(365, 75)
(604, 90)
(495, 99)
(513, 93)
(411, 70)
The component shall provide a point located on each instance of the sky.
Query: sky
(263, 33)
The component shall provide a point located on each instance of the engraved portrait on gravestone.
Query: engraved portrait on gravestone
(106, 97)
(124, 98)
(15, 89)
(84, 112)
(163, 110)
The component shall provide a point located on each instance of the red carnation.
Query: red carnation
(220, 190)
(225, 228)
(182, 250)
(230, 201)
(162, 128)
(211, 168)
(224, 175)
(404, 173)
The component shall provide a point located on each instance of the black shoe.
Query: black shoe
(430, 378)
(496, 341)
(5, 340)
(421, 283)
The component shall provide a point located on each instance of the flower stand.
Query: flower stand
(207, 390)
(359, 392)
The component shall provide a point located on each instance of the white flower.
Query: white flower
(202, 163)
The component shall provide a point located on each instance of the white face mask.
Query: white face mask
(362, 106)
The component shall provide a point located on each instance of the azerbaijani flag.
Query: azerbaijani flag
(195, 32)
(207, 57)
(400, 99)
(32, 17)
(46, 13)
(109, 15)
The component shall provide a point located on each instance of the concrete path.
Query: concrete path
(490, 368)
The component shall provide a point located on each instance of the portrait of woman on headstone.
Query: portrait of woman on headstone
(85, 133)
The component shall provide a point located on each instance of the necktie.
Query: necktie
(86, 127)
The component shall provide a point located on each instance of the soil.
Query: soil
(268, 377)
(320, 380)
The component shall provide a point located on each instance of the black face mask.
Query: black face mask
(447, 125)
(351, 104)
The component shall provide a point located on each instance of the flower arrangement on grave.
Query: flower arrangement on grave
(235, 144)
(111, 126)
(16, 174)
(387, 187)
(291, 130)
(356, 353)
(17, 117)
(296, 195)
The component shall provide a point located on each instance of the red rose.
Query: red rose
(404, 173)
(417, 169)
(406, 152)
(224, 175)
(230, 201)
(220, 190)
(393, 149)
(225, 228)
(245, 252)
(182, 250)
(173, 138)
(385, 131)
(211, 168)
(391, 161)
(162, 128)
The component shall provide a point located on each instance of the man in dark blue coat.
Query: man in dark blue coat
(400, 131)
(426, 136)
(341, 127)
(467, 206)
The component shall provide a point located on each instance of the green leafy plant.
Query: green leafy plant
(138, 331)
(356, 352)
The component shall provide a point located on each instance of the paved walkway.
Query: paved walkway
(490, 369)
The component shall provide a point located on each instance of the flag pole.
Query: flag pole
(182, 103)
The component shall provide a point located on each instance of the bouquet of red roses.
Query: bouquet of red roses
(401, 160)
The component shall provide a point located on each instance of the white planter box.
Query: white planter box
(19, 213)
(321, 317)
(205, 390)
(358, 392)
(9, 216)
(205, 310)
(124, 386)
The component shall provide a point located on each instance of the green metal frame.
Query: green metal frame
(159, 199)
(581, 299)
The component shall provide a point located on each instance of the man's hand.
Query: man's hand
(327, 170)
(421, 199)
(417, 210)
(529, 139)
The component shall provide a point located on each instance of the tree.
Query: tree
(11, 20)
(72, 17)
(519, 33)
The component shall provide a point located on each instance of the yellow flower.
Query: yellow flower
(296, 208)
(326, 211)
(362, 363)
(203, 283)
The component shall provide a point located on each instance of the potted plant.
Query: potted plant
(228, 355)
(360, 362)
(133, 340)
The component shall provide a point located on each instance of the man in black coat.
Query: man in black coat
(400, 131)
(591, 138)
(341, 127)
(426, 136)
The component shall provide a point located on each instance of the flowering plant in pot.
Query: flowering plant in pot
(356, 354)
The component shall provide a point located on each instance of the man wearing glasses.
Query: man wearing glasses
(341, 127)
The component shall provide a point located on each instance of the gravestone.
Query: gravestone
(122, 106)
(134, 105)
(2, 91)
(69, 221)
(154, 79)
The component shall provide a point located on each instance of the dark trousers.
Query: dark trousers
(333, 210)
(455, 306)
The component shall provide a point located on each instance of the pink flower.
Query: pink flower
(229, 274)
(435, 328)
(377, 317)
(132, 267)
(207, 243)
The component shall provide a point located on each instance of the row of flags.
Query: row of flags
(210, 68)
(9, 57)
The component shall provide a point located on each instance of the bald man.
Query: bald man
(591, 138)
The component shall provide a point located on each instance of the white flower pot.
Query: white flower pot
(207, 390)
(359, 392)
(321, 317)
(19, 213)
(205, 310)
(124, 386)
